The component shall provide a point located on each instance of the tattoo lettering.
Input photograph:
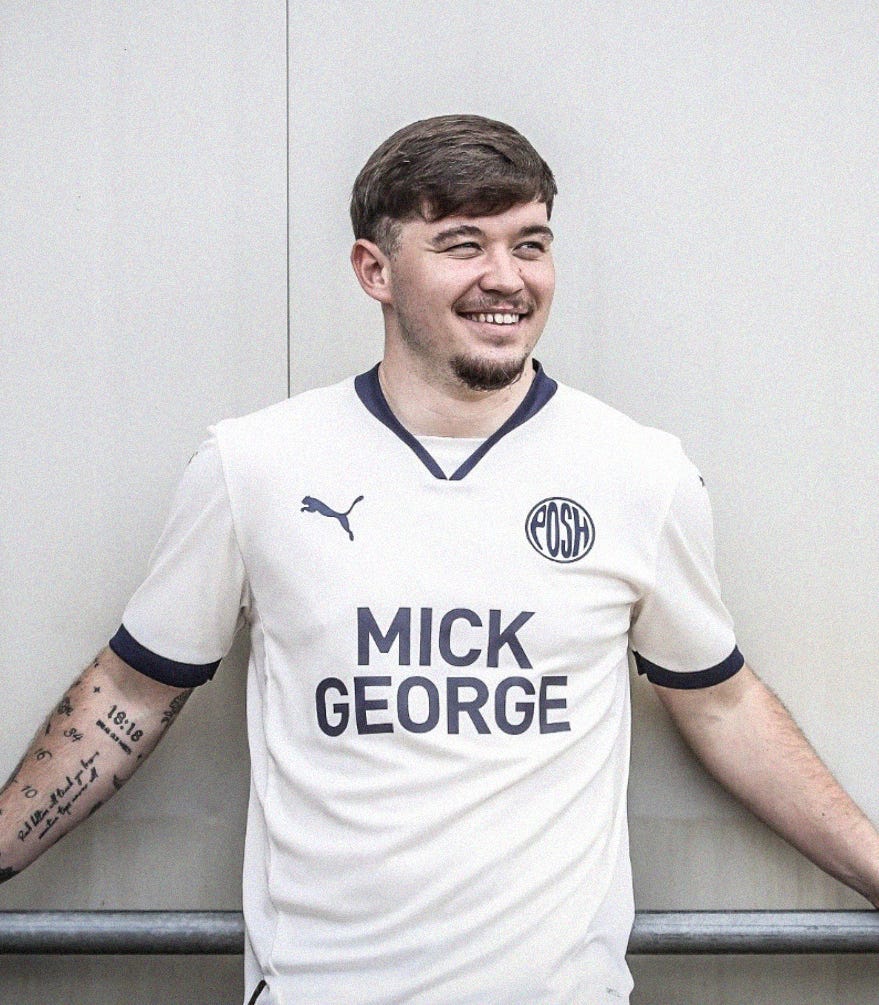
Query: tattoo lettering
(42, 754)
(73, 734)
(119, 717)
(114, 736)
(60, 801)
(171, 713)
(29, 791)
(65, 708)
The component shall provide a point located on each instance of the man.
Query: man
(443, 563)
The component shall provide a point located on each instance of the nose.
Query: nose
(501, 274)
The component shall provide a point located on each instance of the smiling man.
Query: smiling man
(465, 299)
(444, 564)
(460, 260)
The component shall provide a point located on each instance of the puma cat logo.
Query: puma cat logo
(312, 505)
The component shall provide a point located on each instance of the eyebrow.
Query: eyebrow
(537, 229)
(464, 230)
(470, 230)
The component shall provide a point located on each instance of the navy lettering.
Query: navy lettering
(445, 637)
(452, 653)
(525, 708)
(513, 705)
(456, 704)
(552, 529)
(367, 628)
(579, 531)
(565, 544)
(560, 529)
(404, 713)
(547, 704)
(537, 523)
(464, 696)
(362, 704)
(426, 630)
(498, 637)
(340, 709)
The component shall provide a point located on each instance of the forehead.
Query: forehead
(509, 223)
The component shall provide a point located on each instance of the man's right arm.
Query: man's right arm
(102, 730)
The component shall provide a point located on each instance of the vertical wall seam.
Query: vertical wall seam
(287, 194)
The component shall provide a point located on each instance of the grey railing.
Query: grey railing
(723, 932)
(654, 933)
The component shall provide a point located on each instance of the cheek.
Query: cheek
(546, 284)
(432, 288)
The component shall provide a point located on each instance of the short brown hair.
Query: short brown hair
(445, 165)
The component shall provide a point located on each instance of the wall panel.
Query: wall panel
(143, 287)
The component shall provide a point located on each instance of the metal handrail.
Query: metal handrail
(758, 932)
(140, 933)
(222, 932)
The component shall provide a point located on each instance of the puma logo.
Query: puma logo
(312, 505)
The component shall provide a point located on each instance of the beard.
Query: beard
(475, 372)
(487, 375)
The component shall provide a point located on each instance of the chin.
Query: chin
(480, 374)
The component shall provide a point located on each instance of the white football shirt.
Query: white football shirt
(438, 694)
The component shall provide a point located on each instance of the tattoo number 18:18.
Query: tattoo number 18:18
(120, 718)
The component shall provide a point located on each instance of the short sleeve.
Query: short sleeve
(681, 632)
(183, 618)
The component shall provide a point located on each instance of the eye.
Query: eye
(531, 249)
(464, 249)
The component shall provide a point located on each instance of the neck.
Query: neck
(428, 408)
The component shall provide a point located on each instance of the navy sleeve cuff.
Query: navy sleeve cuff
(690, 681)
(166, 671)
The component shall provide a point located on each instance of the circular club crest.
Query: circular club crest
(560, 529)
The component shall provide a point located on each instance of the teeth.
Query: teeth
(496, 319)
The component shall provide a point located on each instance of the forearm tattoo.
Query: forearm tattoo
(173, 710)
(59, 801)
(45, 802)
(120, 728)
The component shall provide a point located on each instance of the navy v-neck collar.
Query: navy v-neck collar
(370, 393)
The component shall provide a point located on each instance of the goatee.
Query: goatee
(487, 375)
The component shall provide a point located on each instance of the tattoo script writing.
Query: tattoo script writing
(61, 799)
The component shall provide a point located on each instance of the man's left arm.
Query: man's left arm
(747, 740)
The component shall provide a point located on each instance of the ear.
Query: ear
(372, 268)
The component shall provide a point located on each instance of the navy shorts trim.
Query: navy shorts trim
(690, 681)
(165, 671)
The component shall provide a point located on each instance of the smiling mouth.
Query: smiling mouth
(496, 318)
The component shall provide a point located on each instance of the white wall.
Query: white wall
(717, 255)
(143, 295)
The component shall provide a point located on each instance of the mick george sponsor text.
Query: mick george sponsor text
(381, 703)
